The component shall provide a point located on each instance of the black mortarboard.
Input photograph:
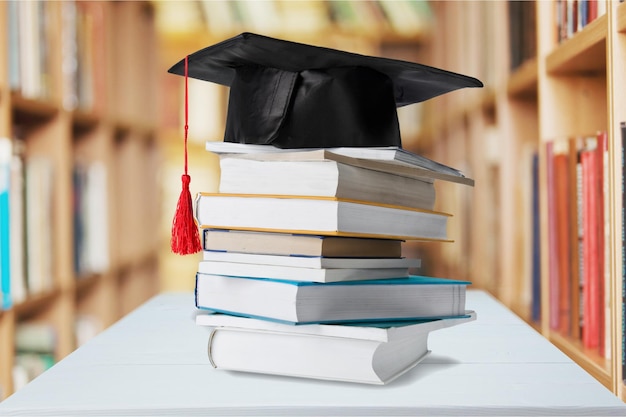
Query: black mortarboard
(293, 95)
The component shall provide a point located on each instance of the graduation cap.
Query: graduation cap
(293, 95)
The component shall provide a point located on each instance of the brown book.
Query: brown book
(562, 206)
(294, 244)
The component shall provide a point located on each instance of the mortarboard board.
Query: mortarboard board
(293, 95)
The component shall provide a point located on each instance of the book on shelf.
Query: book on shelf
(29, 37)
(593, 242)
(561, 207)
(389, 159)
(317, 262)
(553, 271)
(18, 222)
(300, 273)
(297, 244)
(39, 229)
(414, 297)
(623, 248)
(323, 178)
(575, 234)
(578, 232)
(522, 32)
(573, 16)
(318, 215)
(5, 223)
(35, 345)
(536, 240)
(373, 353)
(91, 237)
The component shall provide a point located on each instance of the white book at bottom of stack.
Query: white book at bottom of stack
(369, 352)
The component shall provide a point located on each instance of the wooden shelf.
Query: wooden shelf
(591, 361)
(36, 302)
(523, 81)
(568, 90)
(583, 53)
(27, 110)
(73, 134)
(621, 18)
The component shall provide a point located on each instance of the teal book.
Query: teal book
(5, 223)
(298, 302)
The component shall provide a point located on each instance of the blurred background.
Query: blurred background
(92, 141)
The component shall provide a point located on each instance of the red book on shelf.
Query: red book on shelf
(561, 218)
(575, 145)
(553, 271)
(593, 254)
(603, 230)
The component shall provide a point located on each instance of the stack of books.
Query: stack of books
(302, 271)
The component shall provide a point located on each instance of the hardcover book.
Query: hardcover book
(317, 262)
(298, 244)
(415, 297)
(372, 353)
(324, 178)
(299, 273)
(318, 215)
(388, 159)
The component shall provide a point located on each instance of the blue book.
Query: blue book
(5, 223)
(536, 239)
(298, 302)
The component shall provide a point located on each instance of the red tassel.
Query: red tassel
(185, 235)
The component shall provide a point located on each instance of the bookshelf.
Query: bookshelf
(566, 86)
(77, 104)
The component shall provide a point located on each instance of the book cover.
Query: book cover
(317, 262)
(298, 244)
(623, 248)
(324, 178)
(384, 159)
(318, 215)
(553, 271)
(575, 144)
(592, 240)
(561, 206)
(5, 223)
(536, 239)
(415, 297)
(300, 272)
(375, 354)
(383, 331)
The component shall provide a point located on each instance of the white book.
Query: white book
(310, 261)
(385, 159)
(318, 215)
(324, 178)
(364, 352)
(18, 226)
(39, 228)
(299, 273)
(415, 297)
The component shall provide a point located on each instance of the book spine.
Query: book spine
(553, 272)
(561, 206)
(623, 232)
(5, 223)
(573, 207)
(536, 247)
(18, 227)
(593, 246)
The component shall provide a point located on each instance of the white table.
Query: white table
(154, 362)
